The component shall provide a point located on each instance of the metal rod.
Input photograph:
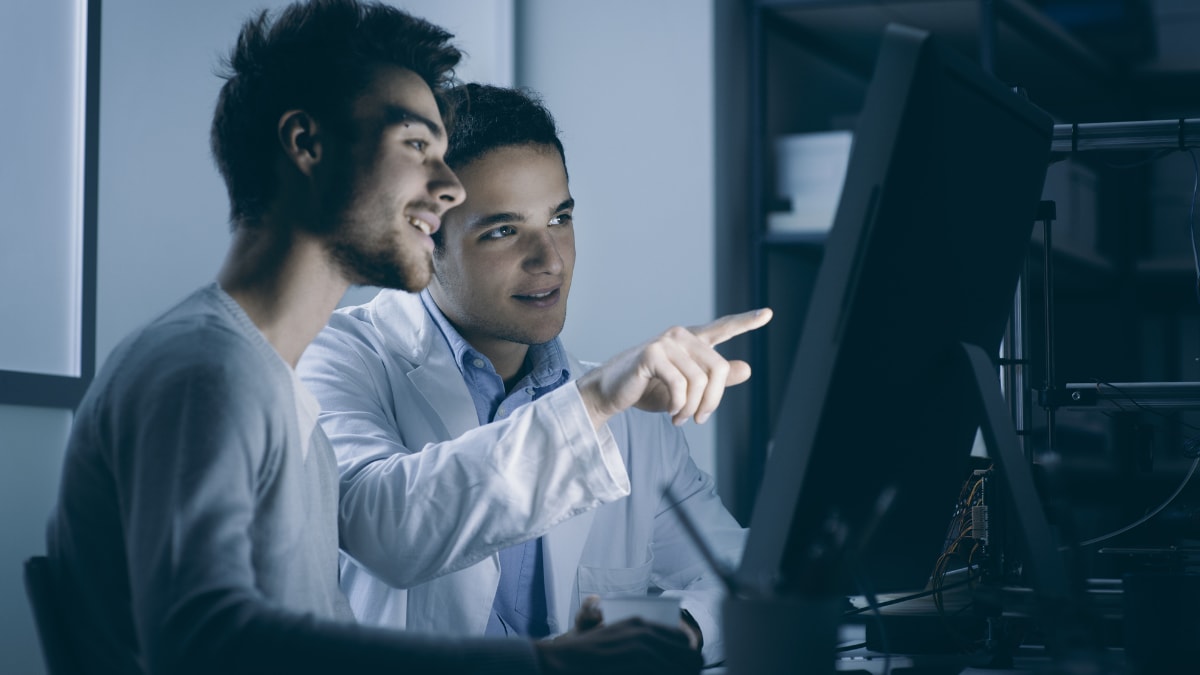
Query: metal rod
(756, 456)
(1012, 362)
(1145, 135)
(1048, 290)
(1130, 396)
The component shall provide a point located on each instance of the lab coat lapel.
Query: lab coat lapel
(458, 603)
(438, 379)
(563, 548)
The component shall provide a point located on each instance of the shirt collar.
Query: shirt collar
(550, 366)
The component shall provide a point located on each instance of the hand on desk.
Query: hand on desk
(629, 647)
(591, 616)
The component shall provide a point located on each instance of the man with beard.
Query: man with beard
(404, 373)
(196, 525)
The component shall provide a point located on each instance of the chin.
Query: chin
(417, 280)
(412, 278)
(542, 336)
(398, 270)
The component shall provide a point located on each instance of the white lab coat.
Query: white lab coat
(392, 395)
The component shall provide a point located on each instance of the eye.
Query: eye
(419, 144)
(562, 219)
(499, 233)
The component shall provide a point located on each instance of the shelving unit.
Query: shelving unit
(811, 63)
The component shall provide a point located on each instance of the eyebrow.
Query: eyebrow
(510, 216)
(399, 115)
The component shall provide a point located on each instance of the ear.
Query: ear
(300, 139)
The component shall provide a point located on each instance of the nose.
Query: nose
(445, 187)
(543, 255)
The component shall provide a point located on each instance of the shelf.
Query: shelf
(1058, 71)
(1173, 270)
(811, 64)
(1166, 284)
(799, 239)
(1126, 396)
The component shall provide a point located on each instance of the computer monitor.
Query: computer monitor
(878, 418)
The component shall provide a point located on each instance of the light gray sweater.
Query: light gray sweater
(196, 528)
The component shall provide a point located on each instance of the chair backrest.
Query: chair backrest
(47, 614)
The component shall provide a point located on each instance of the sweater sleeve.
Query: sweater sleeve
(192, 452)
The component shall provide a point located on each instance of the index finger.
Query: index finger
(732, 325)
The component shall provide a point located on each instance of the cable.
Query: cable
(962, 529)
(1152, 411)
(906, 598)
(1144, 518)
(873, 604)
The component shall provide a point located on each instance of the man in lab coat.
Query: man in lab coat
(406, 371)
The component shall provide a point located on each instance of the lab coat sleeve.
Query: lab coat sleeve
(409, 514)
(679, 568)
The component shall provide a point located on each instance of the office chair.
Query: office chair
(52, 633)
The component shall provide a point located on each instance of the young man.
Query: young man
(406, 372)
(196, 526)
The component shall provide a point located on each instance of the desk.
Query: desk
(856, 659)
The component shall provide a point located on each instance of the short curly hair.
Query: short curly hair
(316, 56)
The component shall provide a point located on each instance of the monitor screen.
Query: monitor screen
(877, 424)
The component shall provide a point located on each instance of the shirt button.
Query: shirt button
(478, 363)
(501, 412)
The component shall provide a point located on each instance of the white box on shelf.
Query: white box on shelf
(810, 170)
(1072, 186)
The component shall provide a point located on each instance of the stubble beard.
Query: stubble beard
(366, 252)
(382, 262)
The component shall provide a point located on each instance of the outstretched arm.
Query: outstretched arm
(410, 514)
(416, 505)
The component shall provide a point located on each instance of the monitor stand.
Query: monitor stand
(798, 634)
(1061, 604)
(1047, 570)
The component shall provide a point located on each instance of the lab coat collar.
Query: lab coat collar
(406, 327)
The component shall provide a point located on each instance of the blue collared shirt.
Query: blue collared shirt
(521, 604)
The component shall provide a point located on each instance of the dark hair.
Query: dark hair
(488, 117)
(316, 56)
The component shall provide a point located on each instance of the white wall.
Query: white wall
(631, 85)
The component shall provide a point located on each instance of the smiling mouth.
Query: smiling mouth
(420, 225)
(545, 295)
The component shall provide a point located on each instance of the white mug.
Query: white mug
(653, 608)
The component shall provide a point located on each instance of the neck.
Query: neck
(508, 358)
(284, 282)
